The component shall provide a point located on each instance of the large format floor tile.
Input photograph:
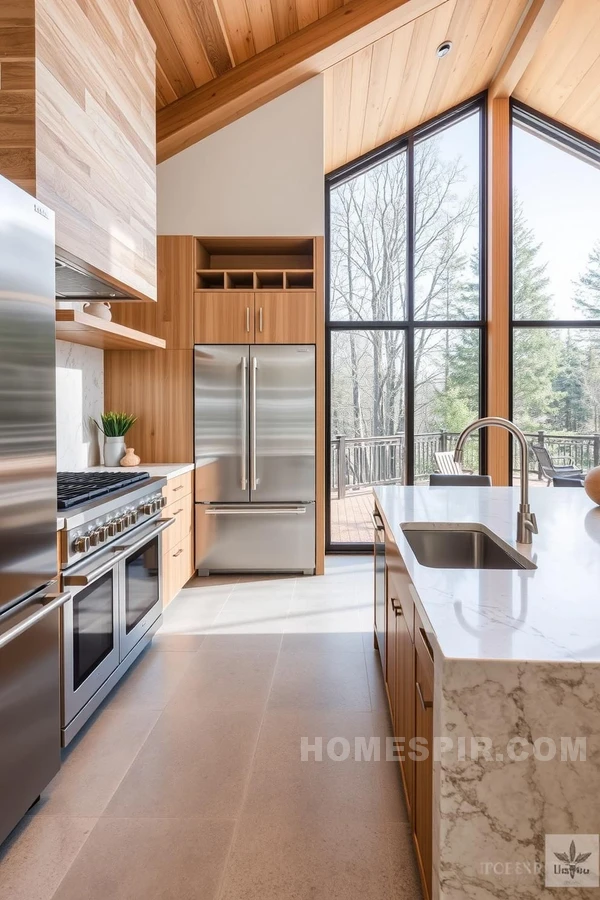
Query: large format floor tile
(195, 763)
(150, 859)
(37, 855)
(189, 782)
(315, 680)
(320, 859)
(96, 762)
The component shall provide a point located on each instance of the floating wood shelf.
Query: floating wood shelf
(82, 328)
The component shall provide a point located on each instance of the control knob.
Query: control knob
(81, 544)
(112, 528)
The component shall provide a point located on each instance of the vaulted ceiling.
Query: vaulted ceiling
(219, 59)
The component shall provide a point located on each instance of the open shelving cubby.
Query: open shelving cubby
(269, 264)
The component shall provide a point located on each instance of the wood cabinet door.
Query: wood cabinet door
(405, 702)
(286, 317)
(423, 805)
(223, 317)
(390, 647)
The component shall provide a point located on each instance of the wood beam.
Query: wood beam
(526, 40)
(281, 67)
(498, 286)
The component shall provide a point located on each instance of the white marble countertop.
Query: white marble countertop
(551, 613)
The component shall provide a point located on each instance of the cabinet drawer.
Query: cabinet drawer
(398, 583)
(181, 511)
(176, 568)
(179, 487)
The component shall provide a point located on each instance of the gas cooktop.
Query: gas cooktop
(75, 488)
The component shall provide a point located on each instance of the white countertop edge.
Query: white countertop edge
(158, 470)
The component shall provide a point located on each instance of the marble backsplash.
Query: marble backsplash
(79, 397)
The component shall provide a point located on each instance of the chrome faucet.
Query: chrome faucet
(526, 521)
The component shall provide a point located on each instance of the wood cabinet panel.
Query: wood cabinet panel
(157, 387)
(182, 513)
(172, 318)
(286, 317)
(177, 569)
(82, 139)
(405, 703)
(177, 488)
(423, 794)
(223, 317)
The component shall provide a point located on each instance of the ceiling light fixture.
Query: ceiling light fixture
(444, 49)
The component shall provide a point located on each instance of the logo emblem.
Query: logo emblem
(572, 860)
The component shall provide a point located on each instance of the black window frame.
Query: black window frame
(406, 143)
(577, 144)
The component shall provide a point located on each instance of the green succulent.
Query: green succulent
(115, 424)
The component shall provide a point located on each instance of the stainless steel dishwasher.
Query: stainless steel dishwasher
(29, 704)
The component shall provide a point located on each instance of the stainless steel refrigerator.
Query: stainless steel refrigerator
(29, 603)
(255, 457)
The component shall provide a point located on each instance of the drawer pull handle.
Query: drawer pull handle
(427, 643)
(175, 555)
(426, 704)
(397, 608)
(177, 511)
(178, 488)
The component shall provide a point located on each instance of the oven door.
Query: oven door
(90, 635)
(140, 585)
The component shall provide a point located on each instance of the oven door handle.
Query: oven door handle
(82, 579)
(53, 602)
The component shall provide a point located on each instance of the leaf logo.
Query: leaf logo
(572, 859)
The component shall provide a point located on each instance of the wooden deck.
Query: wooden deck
(351, 518)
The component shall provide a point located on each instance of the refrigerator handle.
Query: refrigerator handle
(244, 454)
(254, 479)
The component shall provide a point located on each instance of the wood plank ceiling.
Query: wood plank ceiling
(198, 40)
(399, 82)
(563, 78)
(391, 81)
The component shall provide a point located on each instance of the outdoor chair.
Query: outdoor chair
(557, 481)
(447, 464)
(461, 480)
(549, 467)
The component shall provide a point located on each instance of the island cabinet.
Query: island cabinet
(409, 681)
(78, 130)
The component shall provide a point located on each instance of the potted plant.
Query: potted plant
(114, 427)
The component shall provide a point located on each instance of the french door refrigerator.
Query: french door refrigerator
(255, 457)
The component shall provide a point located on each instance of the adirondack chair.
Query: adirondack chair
(447, 464)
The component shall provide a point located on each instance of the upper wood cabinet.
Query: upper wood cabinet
(286, 317)
(224, 318)
(77, 130)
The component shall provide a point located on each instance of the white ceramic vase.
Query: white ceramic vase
(114, 450)
(98, 309)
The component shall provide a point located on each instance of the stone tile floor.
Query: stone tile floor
(188, 783)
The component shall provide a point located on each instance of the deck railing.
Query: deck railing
(360, 462)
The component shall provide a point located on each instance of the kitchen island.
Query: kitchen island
(502, 667)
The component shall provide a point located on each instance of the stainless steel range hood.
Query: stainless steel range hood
(74, 283)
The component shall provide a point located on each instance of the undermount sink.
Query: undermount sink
(454, 546)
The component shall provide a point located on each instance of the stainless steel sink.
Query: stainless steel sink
(458, 546)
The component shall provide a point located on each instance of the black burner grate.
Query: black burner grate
(75, 488)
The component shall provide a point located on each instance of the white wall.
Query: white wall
(262, 175)
(79, 396)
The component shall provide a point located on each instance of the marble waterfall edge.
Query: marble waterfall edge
(491, 815)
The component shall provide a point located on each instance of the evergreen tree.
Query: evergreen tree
(536, 351)
(587, 289)
(571, 407)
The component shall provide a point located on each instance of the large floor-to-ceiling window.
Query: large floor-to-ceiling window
(556, 291)
(405, 313)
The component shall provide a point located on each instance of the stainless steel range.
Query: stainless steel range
(111, 556)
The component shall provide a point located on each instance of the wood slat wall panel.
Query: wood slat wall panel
(400, 82)
(17, 98)
(95, 151)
